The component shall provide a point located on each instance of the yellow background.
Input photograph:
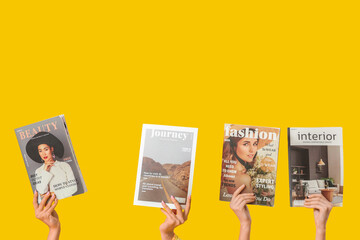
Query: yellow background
(111, 66)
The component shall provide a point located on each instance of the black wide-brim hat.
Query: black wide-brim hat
(43, 138)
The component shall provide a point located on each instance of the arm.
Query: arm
(45, 212)
(322, 208)
(238, 205)
(174, 218)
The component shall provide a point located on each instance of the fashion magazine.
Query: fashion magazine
(49, 158)
(166, 165)
(250, 155)
(316, 164)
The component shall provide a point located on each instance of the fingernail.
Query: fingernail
(189, 196)
(172, 197)
(162, 202)
(47, 193)
(35, 191)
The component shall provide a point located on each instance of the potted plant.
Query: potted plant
(329, 181)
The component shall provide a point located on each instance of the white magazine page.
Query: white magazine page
(166, 165)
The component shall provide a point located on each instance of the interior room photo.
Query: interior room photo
(316, 170)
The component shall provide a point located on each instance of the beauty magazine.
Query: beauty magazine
(49, 158)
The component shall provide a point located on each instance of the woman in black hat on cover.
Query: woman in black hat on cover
(52, 176)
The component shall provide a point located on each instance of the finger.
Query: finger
(242, 197)
(35, 200)
(315, 196)
(238, 191)
(314, 205)
(248, 198)
(324, 200)
(51, 209)
(312, 200)
(165, 212)
(317, 201)
(44, 200)
(246, 194)
(49, 203)
(237, 201)
(178, 207)
(187, 207)
(166, 207)
(326, 203)
(311, 203)
(243, 203)
(308, 200)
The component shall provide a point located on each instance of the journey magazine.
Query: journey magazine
(166, 165)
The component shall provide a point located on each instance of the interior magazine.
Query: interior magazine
(316, 164)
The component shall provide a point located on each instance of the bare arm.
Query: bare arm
(45, 212)
(322, 208)
(174, 218)
(238, 205)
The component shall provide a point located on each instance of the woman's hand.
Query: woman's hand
(238, 205)
(45, 212)
(174, 218)
(48, 166)
(322, 208)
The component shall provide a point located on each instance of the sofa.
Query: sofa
(315, 186)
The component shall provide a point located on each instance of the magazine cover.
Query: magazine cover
(50, 159)
(249, 157)
(166, 165)
(315, 164)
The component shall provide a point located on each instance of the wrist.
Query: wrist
(320, 227)
(167, 235)
(246, 223)
(54, 232)
(245, 229)
(55, 227)
(320, 234)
